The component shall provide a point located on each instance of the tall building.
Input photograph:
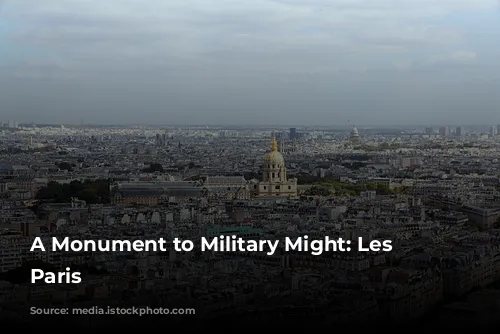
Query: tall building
(293, 133)
(274, 181)
(280, 136)
(458, 131)
(498, 129)
(161, 139)
(493, 131)
(444, 131)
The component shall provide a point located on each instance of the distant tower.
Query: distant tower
(458, 131)
(158, 140)
(293, 134)
(493, 131)
(444, 131)
(30, 141)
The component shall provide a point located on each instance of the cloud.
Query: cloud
(236, 54)
(279, 36)
(187, 27)
(229, 38)
(455, 58)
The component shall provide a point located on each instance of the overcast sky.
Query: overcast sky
(303, 62)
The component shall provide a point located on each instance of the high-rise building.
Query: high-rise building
(444, 131)
(493, 131)
(159, 140)
(279, 136)
(498, 129)
(293, 133)
(458, 131)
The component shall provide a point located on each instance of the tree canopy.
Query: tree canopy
(92, 192)
(153, 168)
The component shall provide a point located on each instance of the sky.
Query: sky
(279, 62)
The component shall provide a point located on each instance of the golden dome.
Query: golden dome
(275, 157)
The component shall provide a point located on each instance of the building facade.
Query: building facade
(274, 180)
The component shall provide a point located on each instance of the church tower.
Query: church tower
(274, 180)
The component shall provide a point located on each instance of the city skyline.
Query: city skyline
(319, 127)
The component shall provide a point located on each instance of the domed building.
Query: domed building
(274, 181)
(354, 136)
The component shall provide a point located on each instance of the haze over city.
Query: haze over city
(381, 62)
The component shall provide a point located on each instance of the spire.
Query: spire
(275, 144)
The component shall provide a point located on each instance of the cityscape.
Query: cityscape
(433, 191)
(286, 165)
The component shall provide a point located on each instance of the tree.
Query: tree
(385, 146)
(317, 191)
(65, 166)
(93, 192)
(153, 167)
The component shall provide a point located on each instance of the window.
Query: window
(277, 187)
(289, 187)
